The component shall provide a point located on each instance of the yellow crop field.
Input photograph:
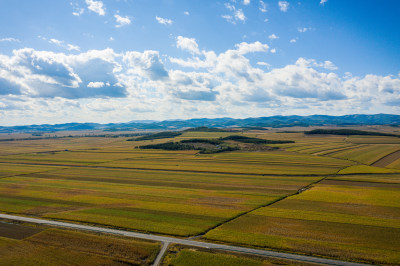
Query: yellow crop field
(343, 219)
(56, 246)
(367, 154)
(319, 195)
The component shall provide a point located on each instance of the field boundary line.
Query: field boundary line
(300, 190)
(46, 171)
(186, 242)
(161, 170)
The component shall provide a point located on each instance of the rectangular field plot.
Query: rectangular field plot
(274, 163)
(7, 169)
(65, 247)
(59, 144)
(373, 178)
(344, 219)
(366, 154)
(175, 203)
(195, 256)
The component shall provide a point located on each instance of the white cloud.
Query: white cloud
(273, 51)
(96, 6)
(244, 47)
(68, 46)
(239, 15)
(122, 21)
(77, 11)
(97, 84)
(230, 6)
(111, 39)
(303, 29)
(283, 5)
(322, 2)
(229, 18)
(71, 47)
(246, 2)
(273, 36)
(186, 13)
(56, 42)
(264, 64)
(293, 40)
(329, 65)
(138, 85)
(263, 6)
(164, 21)
(266, 20)
(188, 44)
(9, 39)
(311, 62)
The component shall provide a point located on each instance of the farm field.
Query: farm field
(322, 195)
(192, 257)
(353, 219)
(154, 201)
(46, 246)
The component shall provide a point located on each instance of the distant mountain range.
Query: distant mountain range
(272, 121)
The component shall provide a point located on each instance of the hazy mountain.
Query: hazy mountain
(272, 121)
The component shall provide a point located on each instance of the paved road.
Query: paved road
(186, 242)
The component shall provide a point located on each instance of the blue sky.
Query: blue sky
(122, 60)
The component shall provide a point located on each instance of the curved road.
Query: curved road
(171, 240)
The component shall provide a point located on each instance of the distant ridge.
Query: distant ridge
(272, 121)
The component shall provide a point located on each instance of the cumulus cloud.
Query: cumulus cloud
(50, 85)
(96, 7)
(186, 13)
(311, 62)
(47, 74)
(244, 47)
(283, 5)
(246, 2)
(237, 14)
(293, 40)
(97, 84)
(188, 44)
(146, 64)
(273, 36)
(122, 21)
(164, 21)
(322, 2)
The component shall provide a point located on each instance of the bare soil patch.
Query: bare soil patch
(16, 231)
(388, 159)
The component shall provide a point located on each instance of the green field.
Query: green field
(321, 195)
